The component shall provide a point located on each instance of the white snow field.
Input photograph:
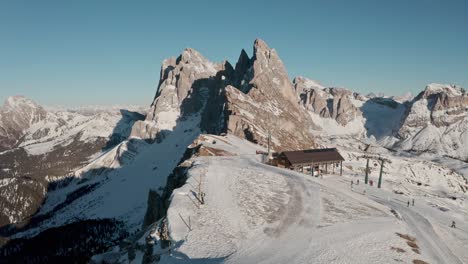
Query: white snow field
(255, 213)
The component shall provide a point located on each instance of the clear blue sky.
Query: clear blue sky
(110, 52)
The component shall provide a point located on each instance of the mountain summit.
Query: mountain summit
(249, 100)
(16, 115)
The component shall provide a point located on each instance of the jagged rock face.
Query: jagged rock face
(268, 74)
(242, 74)
(449, 109)
(333, 103)
(437, 121)
(17, 115)
(180, 77)
(312, 95)
(254, 120)
(266, 103)
(185, 82)
(438, 105)
(344, 110)
(249, 100)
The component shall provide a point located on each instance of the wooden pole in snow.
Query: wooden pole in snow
(366, 179)
(341, 168)
(380, 176)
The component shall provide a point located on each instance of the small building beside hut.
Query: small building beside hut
(310, 161)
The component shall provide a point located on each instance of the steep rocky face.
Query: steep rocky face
(17, 115)
(438, 105)
(312, 95)
(336, 103)
(242, 74)
(251, 100)
(449, 108)
(437, 121)
(344, 110)
(267, 104)
(185, 83)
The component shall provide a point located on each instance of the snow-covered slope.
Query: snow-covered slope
(117, 183)
(48, 146)
(255, 213)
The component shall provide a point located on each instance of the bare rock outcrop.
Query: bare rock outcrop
(437, 121)
(438, 105)
(267, 104)
(343, 110)
(251, 100)
(183, 85)
(336, 103)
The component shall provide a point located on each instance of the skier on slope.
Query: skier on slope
(413, 202)
(453, 225)
(352, 183)
(407, 204)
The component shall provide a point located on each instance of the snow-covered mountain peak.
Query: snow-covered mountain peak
(17, 115)
(437, 121)
(403, 98)
(449, 89)
(308, 83)
(19, 102)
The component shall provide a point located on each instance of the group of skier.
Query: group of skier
(412, 203)
(352, 183)
(407, 204)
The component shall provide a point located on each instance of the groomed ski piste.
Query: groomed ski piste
(256, 213)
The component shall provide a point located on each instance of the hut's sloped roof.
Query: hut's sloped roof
(313, 155)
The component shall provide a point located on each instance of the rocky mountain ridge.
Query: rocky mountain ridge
(435, 121)
(264, 97)
(335, 103)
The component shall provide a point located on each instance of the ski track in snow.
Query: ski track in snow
(314, 220)
(424, 232)
(300, 217)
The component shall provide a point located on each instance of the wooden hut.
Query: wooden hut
(313, 161)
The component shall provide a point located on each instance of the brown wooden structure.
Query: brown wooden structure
(312, 161)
